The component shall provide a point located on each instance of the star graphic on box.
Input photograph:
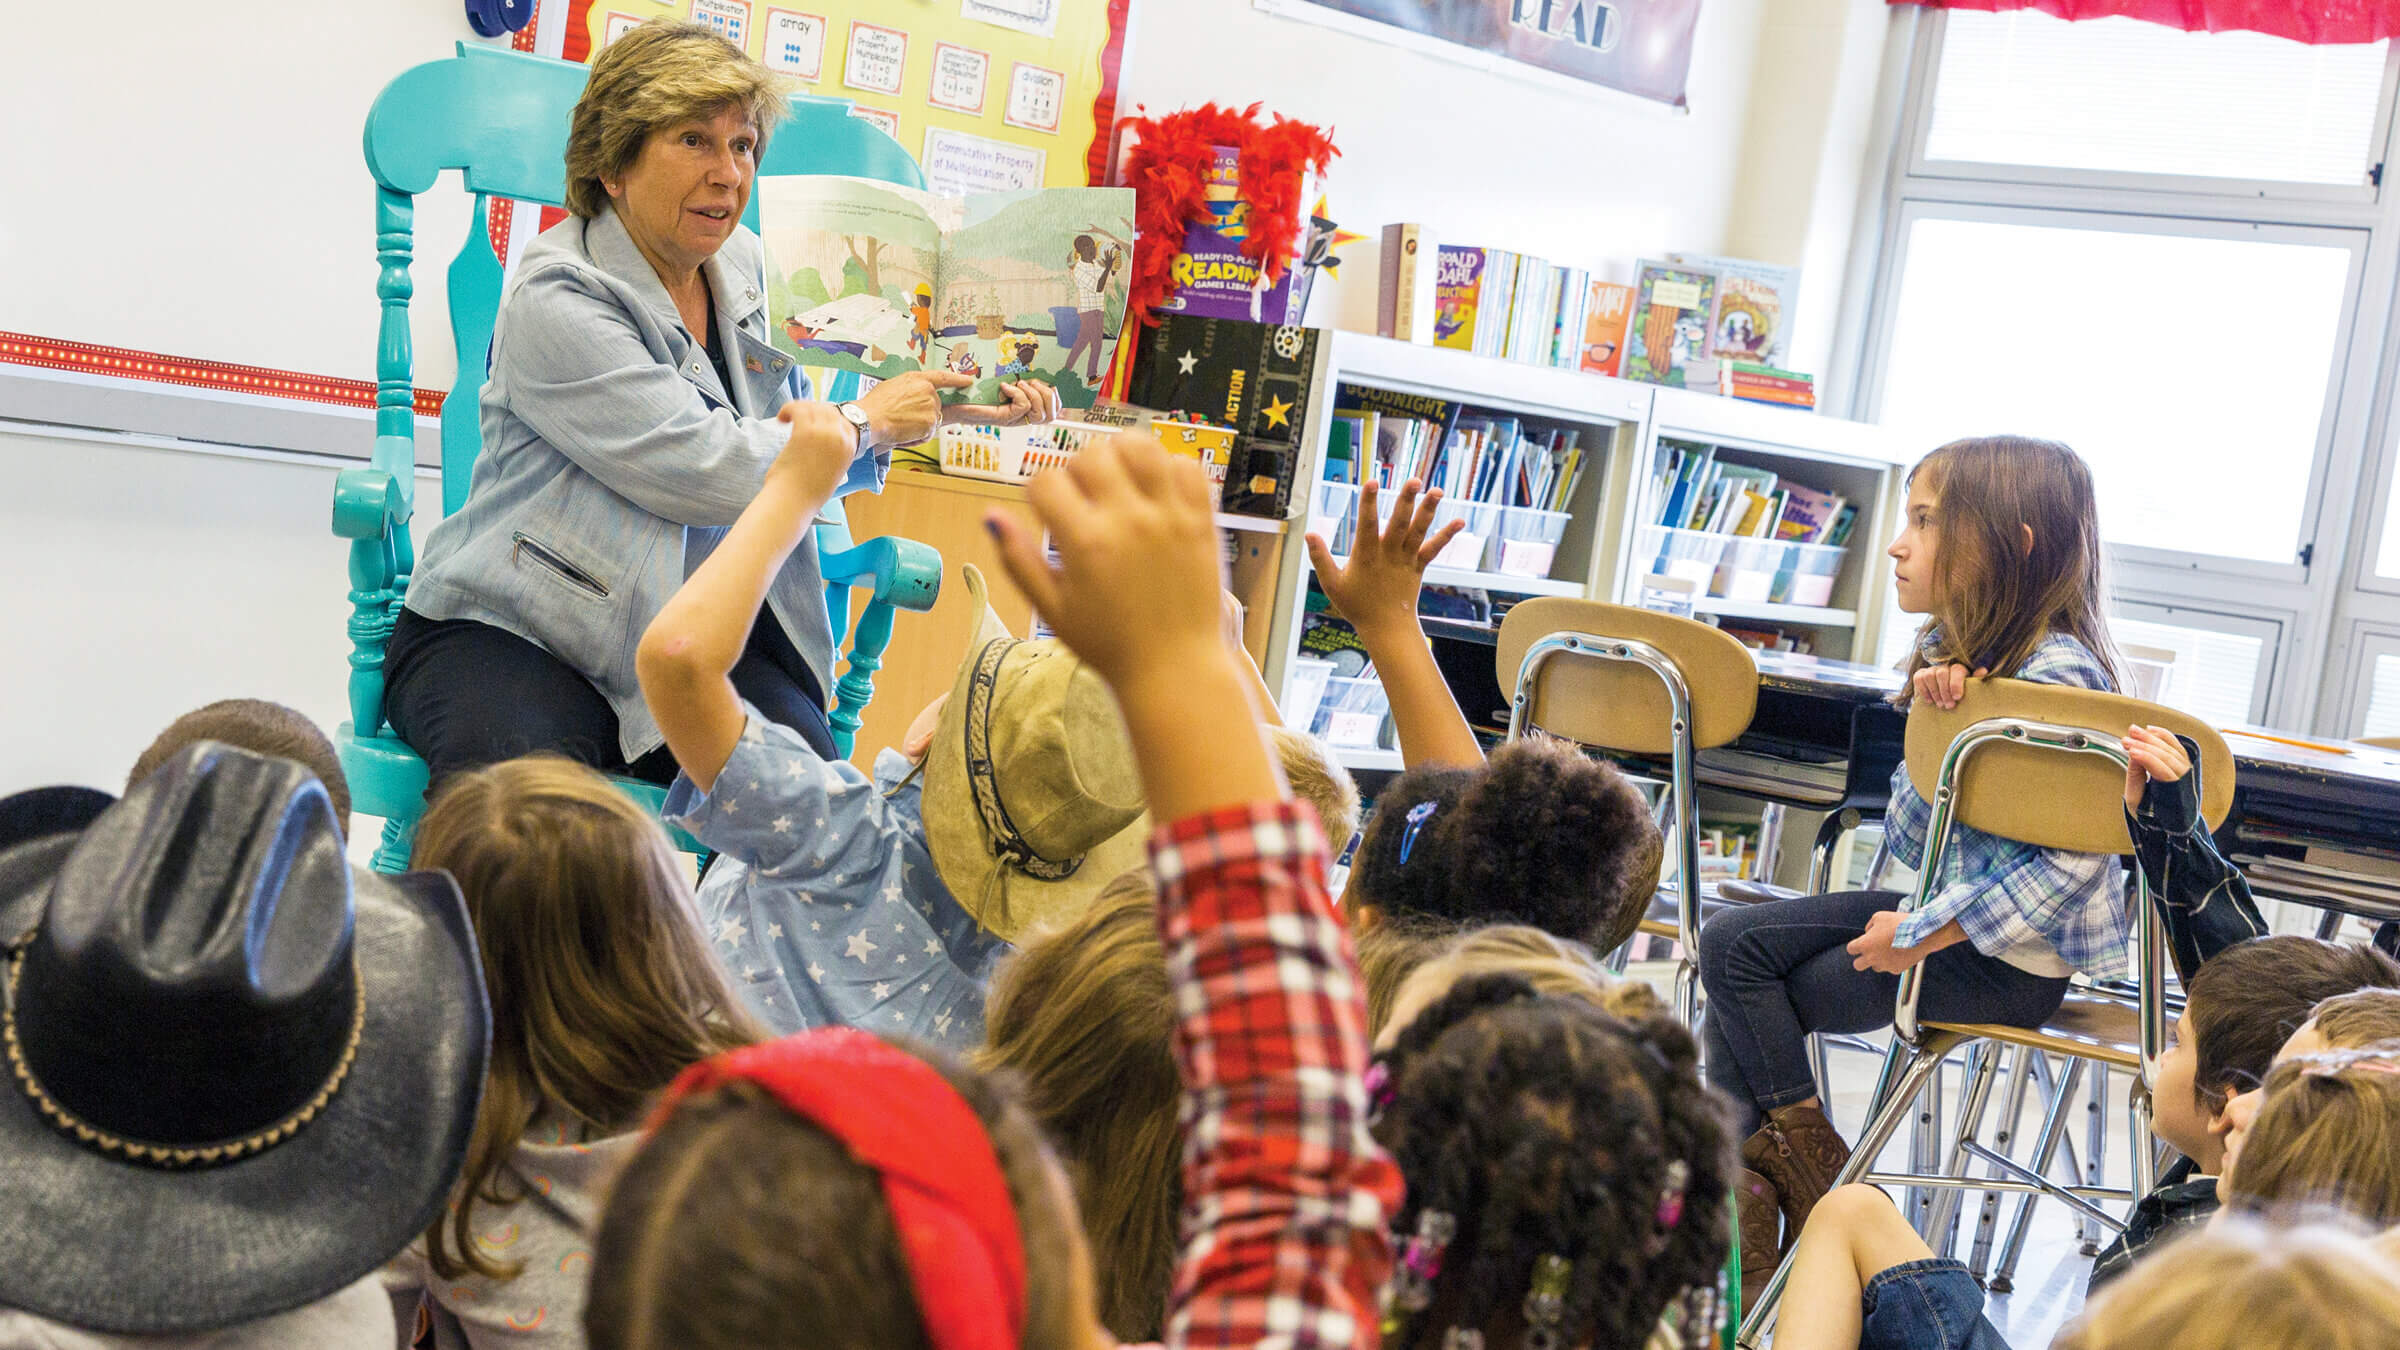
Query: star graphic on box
(1277, 412)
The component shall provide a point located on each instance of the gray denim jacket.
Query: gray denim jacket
(613, 460)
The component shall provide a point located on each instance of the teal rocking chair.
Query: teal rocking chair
(500, 117)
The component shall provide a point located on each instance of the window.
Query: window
(2120, 343)
(2212, 673)
(2383, 697)
(2123, 96)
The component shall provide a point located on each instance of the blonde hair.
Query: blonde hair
(1389, 951)
(1083, 1017)
(2358, 1019)
(1995, 601)
(1551, 964)
(2327, 1133)
(2244, 1285)
(602, 985)
(1320, 780)
(662, 74)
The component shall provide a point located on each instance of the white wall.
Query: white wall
(1589, 179)
(139, 582)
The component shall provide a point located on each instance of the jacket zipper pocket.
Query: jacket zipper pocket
(548, 557)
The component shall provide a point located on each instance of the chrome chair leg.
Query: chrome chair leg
(1925, 1141)
(1770, 843)
(1975, 1097)
(2095, 1162)
(2045, 1152)
(2012, 1109)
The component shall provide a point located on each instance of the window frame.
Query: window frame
(1917, 127)
(2270, 627)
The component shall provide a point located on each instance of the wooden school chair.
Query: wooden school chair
(1643, 686)
(500, 118)
(2045, 765)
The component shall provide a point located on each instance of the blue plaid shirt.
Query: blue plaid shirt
(2009, 896)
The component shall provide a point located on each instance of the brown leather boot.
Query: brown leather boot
(1760, 1207)
(1798, 1149)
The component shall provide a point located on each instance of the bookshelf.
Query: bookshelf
(1622, 424)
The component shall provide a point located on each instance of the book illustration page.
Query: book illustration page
(851, 268)
(1032, 285)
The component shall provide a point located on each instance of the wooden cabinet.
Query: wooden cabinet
(947, 513)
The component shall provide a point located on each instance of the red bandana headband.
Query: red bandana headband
(941, 1177)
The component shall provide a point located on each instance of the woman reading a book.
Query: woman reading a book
(631, 412)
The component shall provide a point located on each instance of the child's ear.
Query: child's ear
(2220, 1117)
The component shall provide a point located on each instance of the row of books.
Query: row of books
(1698, 492)
(1691, 321)
(1488, 301)
(1389, 438)
(1766, 384)
(1770, 638)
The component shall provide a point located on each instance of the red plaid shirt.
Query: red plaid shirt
(1286, 1198)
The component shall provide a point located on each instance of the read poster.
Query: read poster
(1643, 47)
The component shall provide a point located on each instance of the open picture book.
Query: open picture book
(881, 279)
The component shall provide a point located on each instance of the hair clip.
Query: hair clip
(1379, 1087)
(1546, 1301)
(1421, 1261)
(1417, 816)
(1670, 1199)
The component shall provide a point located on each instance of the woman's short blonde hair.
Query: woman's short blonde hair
(2244, 1285)
(662, 74)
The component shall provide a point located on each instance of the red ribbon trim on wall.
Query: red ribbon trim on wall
(24, 349)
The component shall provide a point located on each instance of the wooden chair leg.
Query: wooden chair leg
(856, 688)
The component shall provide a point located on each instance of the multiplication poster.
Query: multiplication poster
(989, 95)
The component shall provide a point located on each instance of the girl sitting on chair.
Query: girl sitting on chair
(2000, 551)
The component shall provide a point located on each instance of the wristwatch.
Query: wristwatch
(858, 418)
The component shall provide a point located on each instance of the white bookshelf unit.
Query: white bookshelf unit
(1621, 425)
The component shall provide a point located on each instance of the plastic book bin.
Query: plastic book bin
(1527, 541)
(1749, 568)
(1353, 713)
(1335, 512)
(1304, 690)
(1690, 554)
(1466, 549)
(1808, 578)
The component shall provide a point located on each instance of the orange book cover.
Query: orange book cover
(1604, 326)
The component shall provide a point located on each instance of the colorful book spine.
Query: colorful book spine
(1461, 280)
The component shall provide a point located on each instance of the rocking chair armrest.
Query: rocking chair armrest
(367, 504)
(899, 572)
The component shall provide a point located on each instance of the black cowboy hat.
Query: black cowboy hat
(239, 1076)
(37, 812)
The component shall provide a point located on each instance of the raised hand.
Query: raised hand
(1378, 587)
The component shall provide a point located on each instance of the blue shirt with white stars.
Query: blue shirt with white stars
(826, 905)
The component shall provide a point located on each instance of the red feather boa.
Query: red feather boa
(1168, 170)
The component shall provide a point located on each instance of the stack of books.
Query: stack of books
(1766, 384)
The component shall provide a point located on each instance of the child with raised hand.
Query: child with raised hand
(2000, 550)
(602, 988)
(835, 1189)
(1543, 834)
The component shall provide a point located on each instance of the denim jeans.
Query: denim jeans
(1777, 971)
(1926, 1305)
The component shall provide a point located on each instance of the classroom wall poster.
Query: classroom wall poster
(1643, 47)
(1022, 92)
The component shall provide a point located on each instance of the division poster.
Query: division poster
(1643, 47)
(988, 95)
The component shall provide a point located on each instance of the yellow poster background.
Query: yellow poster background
(1073, 53)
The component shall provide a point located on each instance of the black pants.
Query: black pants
(1779, 970)
(465, 694)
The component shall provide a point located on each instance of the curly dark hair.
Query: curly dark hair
(1543, 1126)
(1542, 834)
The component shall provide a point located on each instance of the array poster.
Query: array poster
(1643, 47)
(988, 95)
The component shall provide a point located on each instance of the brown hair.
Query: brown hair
(1541, 834)
(2244, 1285)
(2248, 999)
(1320, 780)
(602, 985)
(739, 1224)
(1083, 1016)
(259, 726)
(2358, 1019)
(1995, 601)
(662, 74)
(2326, 1133)
(1389, 951)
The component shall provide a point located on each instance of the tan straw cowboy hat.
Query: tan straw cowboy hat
(1033, 802)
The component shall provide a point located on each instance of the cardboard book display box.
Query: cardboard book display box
(1252, 377)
